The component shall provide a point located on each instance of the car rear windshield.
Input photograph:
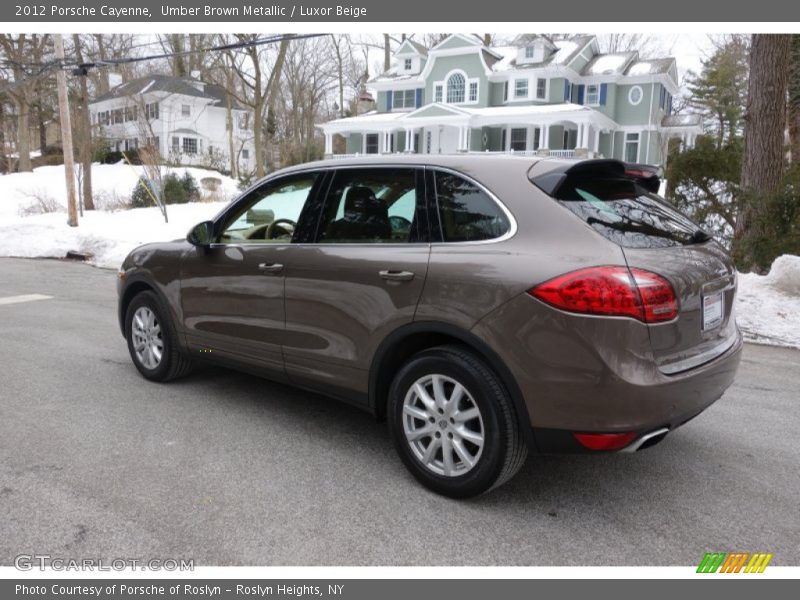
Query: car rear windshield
(626, 213)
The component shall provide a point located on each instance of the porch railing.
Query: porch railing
(553, 153)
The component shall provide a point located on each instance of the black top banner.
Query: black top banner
(316, 11)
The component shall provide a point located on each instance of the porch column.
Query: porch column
(406, 135)
(585, 136)
(387, 142)
(464, 145)
(328, 143)
(545, 137)
(596, 144)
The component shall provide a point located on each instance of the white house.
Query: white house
(185, 118)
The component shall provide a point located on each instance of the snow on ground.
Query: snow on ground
(768, 306)
(108, 235)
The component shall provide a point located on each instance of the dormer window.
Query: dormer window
(407, 64)
(529, 52)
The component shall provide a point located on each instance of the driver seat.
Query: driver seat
(365, 218)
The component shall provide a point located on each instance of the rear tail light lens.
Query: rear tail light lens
(605, 441)
(611, 291)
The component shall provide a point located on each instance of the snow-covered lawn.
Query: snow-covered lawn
(767, 307)
(107, 235)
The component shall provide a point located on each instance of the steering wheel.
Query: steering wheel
(272, 231)
(399, 223)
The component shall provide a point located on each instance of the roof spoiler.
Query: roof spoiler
(645, 175)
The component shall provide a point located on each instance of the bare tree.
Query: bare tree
(646, 45)
(83, 130)
(19, 51)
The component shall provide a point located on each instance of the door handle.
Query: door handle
(396, 275)
(270, 267)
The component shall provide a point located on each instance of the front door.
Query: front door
(232, 292)
(359, 279)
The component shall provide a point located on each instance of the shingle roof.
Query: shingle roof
(169, 84)
(650, 67)
(689, 120)
(608, 64)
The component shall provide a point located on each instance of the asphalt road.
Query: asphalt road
(229, 469)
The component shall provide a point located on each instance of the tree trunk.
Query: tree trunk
(84, 132)
(387, 52)
(765, 122)
(794, 100)
(23, 135)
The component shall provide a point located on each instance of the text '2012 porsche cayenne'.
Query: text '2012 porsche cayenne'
(485, 306)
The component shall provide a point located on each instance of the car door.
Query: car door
(358, 278)
(232, 291)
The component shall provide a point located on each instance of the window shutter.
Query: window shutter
(581, 89)
(603, 93)
(418, 98)
(389, 95)
(505, 91)
(566, 90)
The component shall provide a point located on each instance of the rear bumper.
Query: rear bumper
(585, 374)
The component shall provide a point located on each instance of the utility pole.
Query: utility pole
(66, 132)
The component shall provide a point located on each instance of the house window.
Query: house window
(592, 95)
(130, 113)
(186, 110)
(407, 64)
(632, 147)
(131, 144)
(456, 88)
(151, 111)
(521, 88)
(152, 143)
(529, 52)
(541, 89)
(403, 98)
(245, 154)
(189, 145)
(117, 116)
(437, 93)
(519, 139)
(371, 143)
(473, 91)
(102, 118)
(176, 144)
(635, 95)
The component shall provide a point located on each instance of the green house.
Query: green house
(561, 98)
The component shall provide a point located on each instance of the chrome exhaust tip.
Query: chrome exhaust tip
(647, 440)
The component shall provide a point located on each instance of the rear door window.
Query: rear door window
(466, 212)
(626, 213)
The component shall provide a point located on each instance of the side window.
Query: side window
(370, 206)
(466, 212)
(270, 213)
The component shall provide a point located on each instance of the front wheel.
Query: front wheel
(152, 341)
(453, 423)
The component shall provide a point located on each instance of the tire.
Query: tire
(171, 363)
(473, 468)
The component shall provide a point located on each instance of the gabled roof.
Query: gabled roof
(529, 39)
(173, 85)
(409, 46)
(565, 52)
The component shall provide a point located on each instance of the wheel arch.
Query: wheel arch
(409, 339)
(133, 287)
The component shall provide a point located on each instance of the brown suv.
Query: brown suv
(486, 306)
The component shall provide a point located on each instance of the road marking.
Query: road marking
(23, 298)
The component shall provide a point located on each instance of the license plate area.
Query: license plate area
(713, 310)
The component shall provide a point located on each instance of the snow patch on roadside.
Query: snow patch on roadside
(768, 306)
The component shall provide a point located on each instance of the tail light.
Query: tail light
(605, 441)
(611, 291)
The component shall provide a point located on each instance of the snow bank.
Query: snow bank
(108, 235)
(768, 306)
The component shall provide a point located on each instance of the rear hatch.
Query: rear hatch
(656, 237)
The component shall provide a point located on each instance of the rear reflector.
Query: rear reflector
(605, 441)
(611, 291)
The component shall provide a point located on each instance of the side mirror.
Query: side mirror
(201, 234)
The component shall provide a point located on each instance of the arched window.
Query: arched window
(455, 88)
